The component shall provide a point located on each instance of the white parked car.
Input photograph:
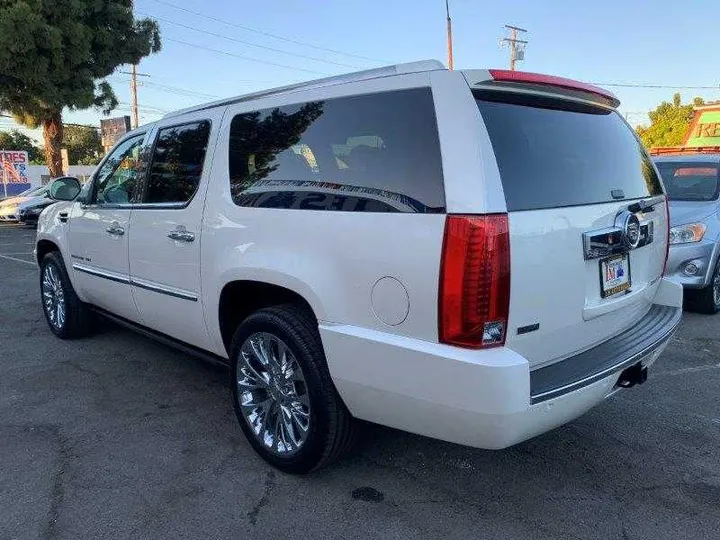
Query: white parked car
(9, 207)
(475, 256)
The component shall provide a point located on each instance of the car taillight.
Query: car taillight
(475, 281)
(667, 234)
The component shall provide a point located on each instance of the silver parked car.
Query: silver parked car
(692, 182)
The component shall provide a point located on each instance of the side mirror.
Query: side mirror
(65, 188)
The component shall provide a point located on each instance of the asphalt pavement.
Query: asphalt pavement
(115, 436)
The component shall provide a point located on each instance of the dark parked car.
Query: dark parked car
(29, 212)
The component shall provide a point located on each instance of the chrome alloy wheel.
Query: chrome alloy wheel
(53, 297)
(716, 286)
(272, 394)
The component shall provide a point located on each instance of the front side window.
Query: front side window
(370, 153)
(177, 163)
(116, 180)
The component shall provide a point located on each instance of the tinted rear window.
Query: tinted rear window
(177, 163)
(690, 181)
(369, 153)
(554, 153)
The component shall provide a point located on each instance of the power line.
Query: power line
(268, 34)
(173, 89)
(314, 58)
(218, 51)
(663, 86)
(148, 108)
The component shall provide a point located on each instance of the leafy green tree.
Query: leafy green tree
(53, 54)
(83, 144)
(16, 140)
(668, 123)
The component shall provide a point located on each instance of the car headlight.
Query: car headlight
(683, 234)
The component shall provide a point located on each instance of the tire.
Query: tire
(707, 299)
(259, 399)
(56, 289)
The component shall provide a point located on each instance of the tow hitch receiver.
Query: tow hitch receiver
(635, 374)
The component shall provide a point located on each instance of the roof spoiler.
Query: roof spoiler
(523, 80)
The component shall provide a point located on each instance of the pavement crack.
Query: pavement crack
(79, 368)
(57, 494)
(268, 486)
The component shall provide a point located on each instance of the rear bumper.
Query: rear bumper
(645, 340)
(479, 398)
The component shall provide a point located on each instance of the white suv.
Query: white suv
(475, 256)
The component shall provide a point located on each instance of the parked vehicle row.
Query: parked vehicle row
(9, 208)
(476, 256)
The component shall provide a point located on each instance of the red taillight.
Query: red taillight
(475, 281)
(667, 234)
(562, 82)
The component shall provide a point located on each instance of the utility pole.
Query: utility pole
(517, 46)
(135, 122)
(133, 96)
(449, 36)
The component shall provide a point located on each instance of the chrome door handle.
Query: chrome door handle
(115, 230)
(181, 235)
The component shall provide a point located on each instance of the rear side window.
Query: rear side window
(369, 153)
(690, 181)
(177, 163)
(554, 153)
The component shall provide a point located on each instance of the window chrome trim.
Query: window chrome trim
(137, 282)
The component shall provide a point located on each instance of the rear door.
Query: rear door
(165, 249)
(587, 220)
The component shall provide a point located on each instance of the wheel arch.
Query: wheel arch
(43, 247)
(240, 297)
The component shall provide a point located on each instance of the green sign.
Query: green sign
(705, 131)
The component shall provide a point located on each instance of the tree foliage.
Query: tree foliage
(53, 55)
(83, 144)
(16, 140)
(668, 123)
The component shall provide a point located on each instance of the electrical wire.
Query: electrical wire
(172, 89)
(661, 86)
(243, 57)
(268, 34)
(248, 43)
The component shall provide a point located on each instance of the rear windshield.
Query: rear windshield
(553, 153)
(690, 181)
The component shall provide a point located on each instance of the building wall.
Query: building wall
(40, 175)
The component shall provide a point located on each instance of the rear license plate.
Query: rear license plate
(614, 275)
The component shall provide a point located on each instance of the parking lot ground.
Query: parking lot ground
(115, 436)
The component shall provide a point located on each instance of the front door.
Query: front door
(165, 249)
(99, 230)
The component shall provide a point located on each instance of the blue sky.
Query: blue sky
(647, 42)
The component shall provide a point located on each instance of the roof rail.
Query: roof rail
(398, 69)
(683, 150)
